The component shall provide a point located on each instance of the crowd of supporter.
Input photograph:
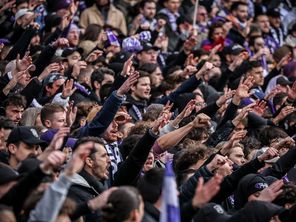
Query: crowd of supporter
(100, 99)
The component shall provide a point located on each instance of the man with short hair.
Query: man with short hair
(171, 10)
(22, 142)
(90, 181)
(99, 78)
(103, 12)
(146, 19)
(148, 54)
(53, 116)
(14, 107)
(51, 86)
(136, 102)
(239, 13)
(264, 25)
(276, 29)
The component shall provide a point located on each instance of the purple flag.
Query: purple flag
(170, 211)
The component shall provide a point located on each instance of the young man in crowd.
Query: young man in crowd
(208, 119)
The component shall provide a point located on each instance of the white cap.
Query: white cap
(20, 13)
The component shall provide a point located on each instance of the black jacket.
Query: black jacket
(151, 213)
(18, 194)
(135, 108)
(84, 188)
(130, 169)
(228, 184)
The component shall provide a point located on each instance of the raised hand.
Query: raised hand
(204, 69)
(161, 121)
(77, 68)
(273, 93)
(242, 114)
(260, 107)
(287, 142)
(54, 159)
(204, 192)
(284, 61)
(228, 93)
(71, 114)
(58, 139)
(101, 200)
(93, 56)
(127, 67)
(53, 67)
(270, 153)
(214, 51)
(8, 5)
(216, 162)
(188, 71)
(34, 3)
(201, 121)
(270, 193)
(68, 89)
(188, 109)
(77, 161)
(283, 114)
(61, 43)
(126, 86)
(167, 107)
(24, 63)
(292, 91)
(16, 78)
(243, 90)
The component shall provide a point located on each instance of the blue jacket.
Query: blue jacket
(103, 118)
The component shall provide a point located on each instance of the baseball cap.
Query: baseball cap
(211, 213)
(25, 134)
(52, 78)
(69, 51)
(7, 174)
(20, 13)
(283, 81)
(254, 211)
(146, 46)
(236, 49)
(49, 134)
(249, 185)
(275, 13)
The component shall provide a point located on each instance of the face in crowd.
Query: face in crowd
(141, 90)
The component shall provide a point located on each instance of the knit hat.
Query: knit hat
(131, 44)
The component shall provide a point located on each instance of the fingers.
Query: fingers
(200, 184)
(56, 158)
(276, 186)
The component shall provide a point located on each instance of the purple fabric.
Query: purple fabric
(49, 134)
(289, 69)
(61, 4)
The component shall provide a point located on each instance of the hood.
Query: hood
(79, 180)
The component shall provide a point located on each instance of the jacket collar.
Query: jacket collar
(86, 180)
(138, 103)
